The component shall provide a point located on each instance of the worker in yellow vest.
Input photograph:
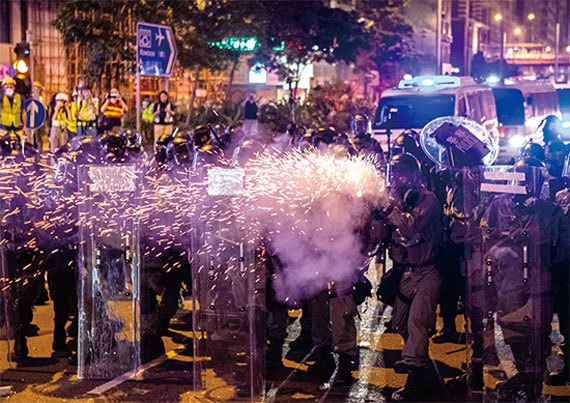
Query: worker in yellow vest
(113, 110)
(62, 123)
(85, 109)
(11, 107)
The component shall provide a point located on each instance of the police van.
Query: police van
(521, 106)
(419, 100)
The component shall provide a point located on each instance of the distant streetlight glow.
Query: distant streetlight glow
(568, 49)
(531, 17)
(517, 31)
(498, 17)
(548, 49)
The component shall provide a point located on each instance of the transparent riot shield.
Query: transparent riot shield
(109, 265)
(509, 306)
(229, 292)
(8, 311)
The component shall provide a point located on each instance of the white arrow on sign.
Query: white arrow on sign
(173, 51)
(32, 110)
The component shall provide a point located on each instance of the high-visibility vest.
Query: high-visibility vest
(147, 115)
(12, 112)
(85, 112)
(113, 110)
(62, 120)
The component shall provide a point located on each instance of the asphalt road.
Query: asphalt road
(45, 378)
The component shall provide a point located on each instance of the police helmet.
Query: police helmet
(134, 139)
(534, 178)
(359, 124)
(532, 150)
(407, 143)
(202, 136)
(324, 135)
(160, 147)
(180, 151)
(114, 143)
(404, 169)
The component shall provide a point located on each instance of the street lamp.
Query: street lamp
(568, 49)
(499, 18)
(531, 16)
(517, 31)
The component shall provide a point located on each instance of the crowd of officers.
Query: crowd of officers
(419, 224)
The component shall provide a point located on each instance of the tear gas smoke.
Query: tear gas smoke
(313, 208)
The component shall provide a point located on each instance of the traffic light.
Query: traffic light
(22, 67)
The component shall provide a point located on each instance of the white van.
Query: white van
(417, 101)
(521, 106)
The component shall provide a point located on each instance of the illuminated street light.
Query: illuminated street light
(568, 49)
(548, 49)
(517, 31)
(498, 17)
(531, 17)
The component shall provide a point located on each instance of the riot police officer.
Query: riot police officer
(415, 214)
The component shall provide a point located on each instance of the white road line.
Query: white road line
(135, 374)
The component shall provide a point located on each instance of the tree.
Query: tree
(309, 31)
(390, 34)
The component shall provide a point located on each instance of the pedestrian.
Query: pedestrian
(415, 213)
(62, 123)
(84, 109)
(11, 108)
(549, 128)
(249, 126)
(113, 110)
(163, 112)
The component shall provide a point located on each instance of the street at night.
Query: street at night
(285, 201)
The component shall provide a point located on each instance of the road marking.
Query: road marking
(135, 374)
(272, 393)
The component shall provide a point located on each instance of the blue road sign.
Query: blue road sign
(35, 113)
(156, 50)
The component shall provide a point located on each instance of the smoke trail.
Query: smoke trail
(313, 207)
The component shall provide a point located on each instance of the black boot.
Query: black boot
(303, 342)
(274, 361)
(324, 365)
(344, 376)
(412, 390)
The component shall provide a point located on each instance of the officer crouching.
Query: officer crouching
(415, 214)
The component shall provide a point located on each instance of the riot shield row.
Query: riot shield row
(509, 234)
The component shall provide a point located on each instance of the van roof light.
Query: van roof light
(430, 82)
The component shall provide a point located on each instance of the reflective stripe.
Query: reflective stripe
(113, 111)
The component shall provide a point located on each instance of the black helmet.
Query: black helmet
(359, 124)
(180, 151)
(160, 148)
(324, 135)
(183, 135)
(532, 150)
(202, 136)
(405, 170)
(134, 139)
(407, 143)
(534, 178)
(115, 143)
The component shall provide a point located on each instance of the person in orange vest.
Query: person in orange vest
(113, 110)
(11, 107)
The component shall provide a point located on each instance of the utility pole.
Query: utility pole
(556, 51)
(466, 44)
(438, 37)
